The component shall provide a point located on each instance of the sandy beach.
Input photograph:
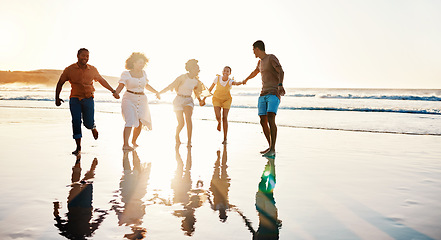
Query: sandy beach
(323, 184)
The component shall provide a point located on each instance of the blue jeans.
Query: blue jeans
(82, 109)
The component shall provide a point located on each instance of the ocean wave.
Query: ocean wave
(306, 108)
(349, 109)
(27, 98)
(385, 97)
(351, 96)
(47, 99)
(384, 110)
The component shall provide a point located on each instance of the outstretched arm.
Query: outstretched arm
(105, 84)
(151, 89)
(252, 75)
(170, 87)
(118, 89)
(210, 89)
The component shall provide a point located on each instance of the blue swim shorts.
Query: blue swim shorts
(268, 103)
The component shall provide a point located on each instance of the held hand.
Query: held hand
(58, 101)
(158, 95)
(116, 95)
(201, 103)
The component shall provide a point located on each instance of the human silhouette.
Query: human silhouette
(130, 208)
(269, 223)
(184, 193)
(219, 186)
(79, 222)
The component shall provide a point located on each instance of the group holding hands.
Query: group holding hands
(134, 105)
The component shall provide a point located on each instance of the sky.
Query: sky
(319, 43)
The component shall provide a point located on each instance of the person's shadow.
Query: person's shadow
(78, 223)
(269, 224)
(184, 193)
(219, 186)
(130, 208)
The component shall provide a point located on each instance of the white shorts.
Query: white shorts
(181, 101)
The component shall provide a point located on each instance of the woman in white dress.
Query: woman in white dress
(183, 104)
(134, 105)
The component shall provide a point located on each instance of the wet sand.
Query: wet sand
(321, 185)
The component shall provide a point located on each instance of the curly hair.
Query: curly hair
(190, 64)
(133, 58)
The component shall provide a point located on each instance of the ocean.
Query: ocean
(397, 111)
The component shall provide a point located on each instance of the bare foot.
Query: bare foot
(178, 140)
(135, 145)
(225, 141)
(219, 126)
(265, 151)
(189, 144)
(95, 133)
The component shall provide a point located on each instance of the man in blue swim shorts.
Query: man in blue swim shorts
(272, 89)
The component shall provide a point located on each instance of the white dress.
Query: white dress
(134, 107)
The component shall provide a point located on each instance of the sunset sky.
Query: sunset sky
(320, 43)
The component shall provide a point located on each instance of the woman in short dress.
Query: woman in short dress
(134, 105)
(183, 104)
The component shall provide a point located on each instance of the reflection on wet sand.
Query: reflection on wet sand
(269, 223)
(78, 223)
(130, 208)
(129, 201)
(184, 193)
(219, 186)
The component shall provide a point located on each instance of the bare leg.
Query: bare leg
(217, 113)
(225, 123)
(273, 133)
(180, 118)
(266, 131)
(136, 133)
(126, 135)
(188, 111)
(78, 149)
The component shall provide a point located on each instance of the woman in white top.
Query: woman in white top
(134, 105)
(222, 98)
(183, 104)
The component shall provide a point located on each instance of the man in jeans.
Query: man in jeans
(81, 104)
(272, 89)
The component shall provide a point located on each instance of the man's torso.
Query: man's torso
(270, 76)
(81, 80)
